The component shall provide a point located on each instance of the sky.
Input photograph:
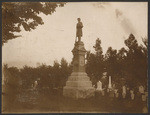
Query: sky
(111, 22)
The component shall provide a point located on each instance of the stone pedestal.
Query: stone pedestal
(78, 84)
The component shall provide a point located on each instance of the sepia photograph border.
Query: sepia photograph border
(82, 1)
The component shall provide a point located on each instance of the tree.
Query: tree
(42, 73)
(111, 61)
(121, 59)
(27, 77)
(11, 78)
(63, 63)
(65, 71)
(24, 14)
(11, 86)
(136, 62)
(98, 47)
(131, 42)
(95, 65)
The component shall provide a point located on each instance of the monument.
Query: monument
(99, 86)
(78, 84)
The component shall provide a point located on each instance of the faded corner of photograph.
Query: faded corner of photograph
(74, 57)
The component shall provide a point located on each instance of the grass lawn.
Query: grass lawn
(54, 102)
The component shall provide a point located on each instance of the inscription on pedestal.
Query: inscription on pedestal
(78, 84)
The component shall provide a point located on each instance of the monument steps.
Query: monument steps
(79, 83)
(78, 92)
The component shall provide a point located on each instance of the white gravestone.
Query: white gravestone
(132, 94)
(99, 86)
(107, 90)
(35, 84)
(109, 85)
(124, 91)
(141, 89)
(116, 93)
(103, 92)
(104, 75)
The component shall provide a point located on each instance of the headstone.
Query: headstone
(99, 86)
(124, 91)
(35, 84)
(109, 85)
(103, 93)
(145, 109)
(143, 97)
(78, 84)
(132, 94)
(113, 86)
(104, 75)
(116, 93)
(107, 90)
(141, 89)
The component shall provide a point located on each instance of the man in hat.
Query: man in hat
(79, 29)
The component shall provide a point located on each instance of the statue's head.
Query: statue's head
(78, 19)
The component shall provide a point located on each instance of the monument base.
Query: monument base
(78, 86)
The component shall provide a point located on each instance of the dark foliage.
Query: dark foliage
(95, 63)
(126, 66)
(24, 14)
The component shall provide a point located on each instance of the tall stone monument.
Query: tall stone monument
(78, 84)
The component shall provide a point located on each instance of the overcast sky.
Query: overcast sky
(112, 22)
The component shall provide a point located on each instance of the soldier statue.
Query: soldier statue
(79, 29)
